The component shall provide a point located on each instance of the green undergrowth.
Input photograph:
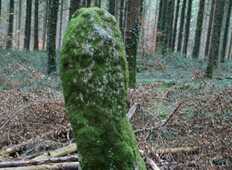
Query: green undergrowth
(25, 70)
(180, 70)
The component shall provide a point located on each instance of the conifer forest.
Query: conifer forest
(115, 84)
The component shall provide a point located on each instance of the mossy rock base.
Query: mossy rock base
(94, 75)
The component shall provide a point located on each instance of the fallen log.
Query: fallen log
(19, 147)
(71, 148)
(22, 163)
(56, 166)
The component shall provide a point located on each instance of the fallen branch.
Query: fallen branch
(19, 147)
(177, 150)
(152, 164)
(21, 163)
(71, 148)
(132, 111)
(57, 166)
(172, 114)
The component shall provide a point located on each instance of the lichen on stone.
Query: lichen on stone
(94, 76)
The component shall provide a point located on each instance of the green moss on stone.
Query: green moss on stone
(94, 75)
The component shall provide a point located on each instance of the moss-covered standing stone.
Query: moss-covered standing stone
(94, 74)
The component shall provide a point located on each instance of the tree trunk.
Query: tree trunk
(51, 35)
(210, 28)
(161, 4)
(215, 38)
(132, 37)
(45, 22)
(27, 35)
(169, 24)
(162, 24)
(226, 31)
(230, 48)
(11, 25)
(0, 7)
(74, 5)
(88, 3)
(122, 14)
(187, 27)
(36, 25)
(61, 23)
(181, 29)
(19, 24)
(98, 3)
(200, 19)
(175, 24)
(112, 7)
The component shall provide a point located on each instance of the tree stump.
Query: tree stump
(94, 77)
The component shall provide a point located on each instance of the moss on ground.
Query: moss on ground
(95, 80)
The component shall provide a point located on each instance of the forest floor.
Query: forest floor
(183, 121)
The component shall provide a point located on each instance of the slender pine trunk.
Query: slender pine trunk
(74, 5)
(200, 19)
(19, 24)
(132, 37)
(36, 25)
(175, 24)
(208, 42)
(226, 31)
(187, 27)
(27, 34)
(112, 7)
(215, 38)
(11, 25)
(45, 21)
(181, 29)
(61, 24)
(51, 35)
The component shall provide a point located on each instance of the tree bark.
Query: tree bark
(88, 3)
(74, 5)
(27, 34)
(51, 35)
(132, 37)
(98, 3)
(225, 35)
(61, 23)
(200, 19)
(210, 28)
(19, 24)
(36, 25)
(215, 38)
(122, 14)
(175, 24)
(45, 22)
(112, 7)
(0, 7)
(162, 24)
(11, 25)
(187, 27)
(169, 24)
(181, 29)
